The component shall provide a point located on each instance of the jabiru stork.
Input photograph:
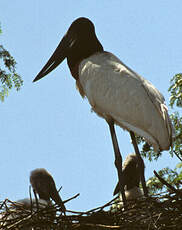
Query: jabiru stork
(43, 184)
(114, 91)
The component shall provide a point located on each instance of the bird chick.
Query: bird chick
(43, 184)
(132, 169)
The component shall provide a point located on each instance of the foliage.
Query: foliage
(147, 150)
(177, 144)
(173, 177)
(176, 91)
(8, 77)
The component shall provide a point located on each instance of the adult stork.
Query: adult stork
(115, 92)
(43, 183)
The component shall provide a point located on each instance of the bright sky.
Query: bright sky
(47, 124)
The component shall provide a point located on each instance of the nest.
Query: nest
(162, 211)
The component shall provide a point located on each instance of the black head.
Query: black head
(79, 42)
(80, 26)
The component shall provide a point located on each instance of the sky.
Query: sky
(47, 124)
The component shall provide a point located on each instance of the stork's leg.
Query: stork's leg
(145, 190)
(118, 159)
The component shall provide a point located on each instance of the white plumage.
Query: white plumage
(26, 203)
(134, 104)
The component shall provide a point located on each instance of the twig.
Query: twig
(167, 184)
(94, 209)
(60, 189)
(101, 207)
(76, 212)
(98, 225)
(75, 196)
(3, 203)
(177, 155)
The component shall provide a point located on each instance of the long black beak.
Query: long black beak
(57, 57)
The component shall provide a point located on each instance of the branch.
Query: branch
(168, 185)
(94, 209)
(97, 226)
(71, 198)
(177, 155)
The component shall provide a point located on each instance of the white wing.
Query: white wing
(114, 90)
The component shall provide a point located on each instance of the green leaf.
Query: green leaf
(8, 77)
